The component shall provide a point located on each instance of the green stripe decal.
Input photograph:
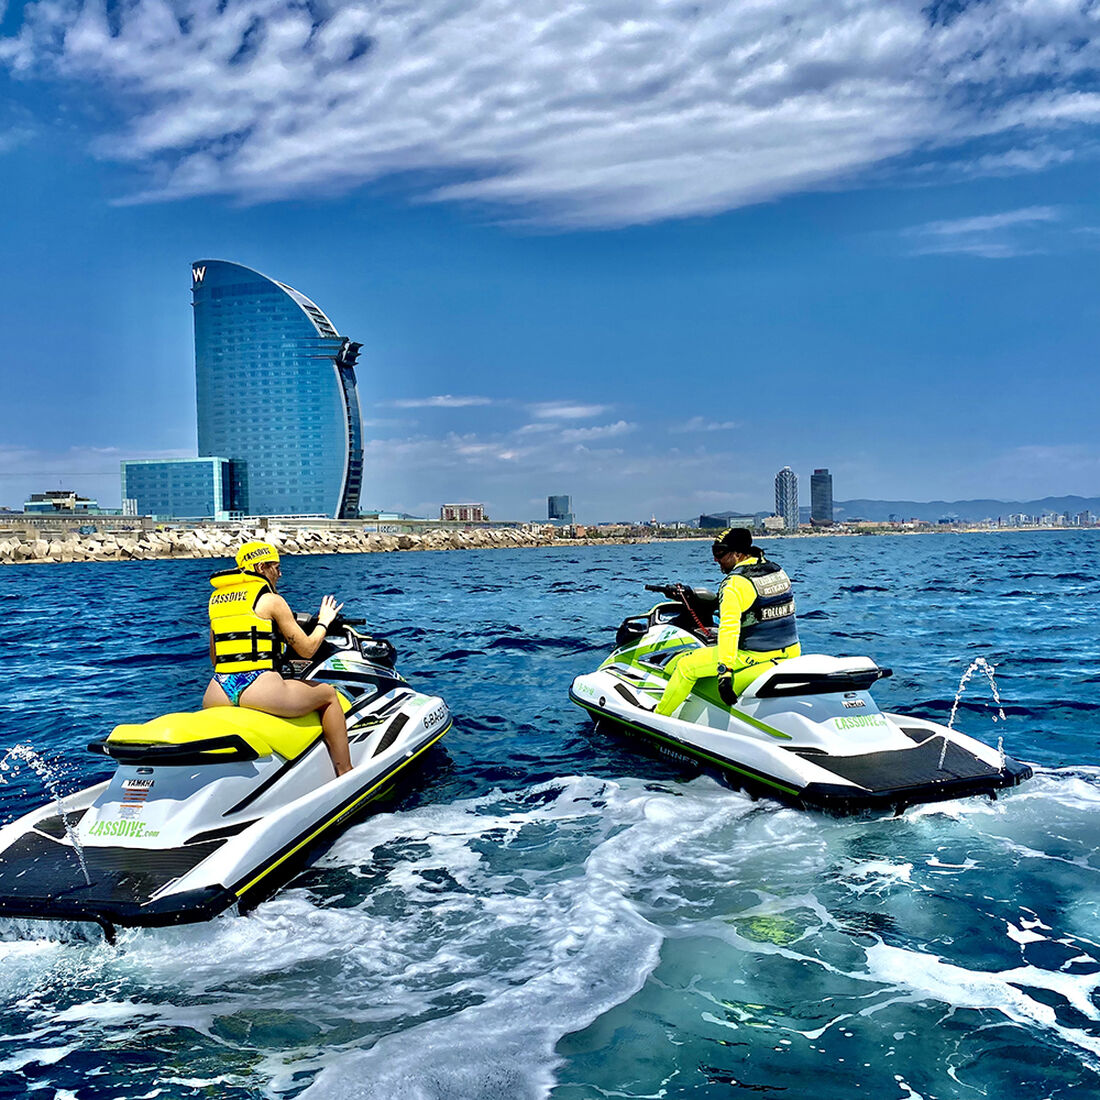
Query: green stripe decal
(691, 750)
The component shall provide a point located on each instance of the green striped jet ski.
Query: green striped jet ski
(806, 732)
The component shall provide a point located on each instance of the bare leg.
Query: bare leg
(293, 698)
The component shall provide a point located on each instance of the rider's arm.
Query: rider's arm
(305, 645)
(737, 597)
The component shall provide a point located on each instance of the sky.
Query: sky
(644, 253)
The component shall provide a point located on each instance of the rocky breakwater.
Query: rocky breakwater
(222, 542)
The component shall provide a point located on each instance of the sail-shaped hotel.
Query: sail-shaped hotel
(280, 430)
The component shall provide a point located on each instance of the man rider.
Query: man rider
(756, 623)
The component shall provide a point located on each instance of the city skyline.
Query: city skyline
(885, 215)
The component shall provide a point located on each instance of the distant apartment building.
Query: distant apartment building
(559, 509)
(722, 520)
(786, 498)
(59, 500)
(182, 488)
(276, 394)
(821, 497)
(463, 513)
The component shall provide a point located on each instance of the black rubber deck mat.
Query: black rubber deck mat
(55, 826)
(915, 767)
(35, 866)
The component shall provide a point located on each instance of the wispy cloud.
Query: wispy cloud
(563, 410)
(605, 431)
(440, 401)
(991, 236)
(582, 114)
(702, 424)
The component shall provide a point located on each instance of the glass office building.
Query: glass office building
(559, 509)
(821, 497)
(276, 392)
(786, 497)
(180, 488)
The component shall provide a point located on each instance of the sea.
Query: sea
(546, 910)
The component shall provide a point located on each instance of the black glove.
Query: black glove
(725, 688)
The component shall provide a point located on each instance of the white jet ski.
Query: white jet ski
(805, 732)
(217, 808)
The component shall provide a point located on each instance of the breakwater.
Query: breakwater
(220, 542)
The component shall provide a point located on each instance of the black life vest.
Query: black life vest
(769, 623)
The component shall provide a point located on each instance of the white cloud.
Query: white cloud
(563, 410)
(600, 113)
(991, 236)
(605, 431)
(702, 424)
(440, 401)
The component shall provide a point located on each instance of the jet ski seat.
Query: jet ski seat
(213, 735)
(812, 674)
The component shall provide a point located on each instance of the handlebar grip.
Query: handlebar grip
(655, 588)
(352, 622)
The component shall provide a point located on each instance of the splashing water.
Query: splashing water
(50, 777)
(982, 665)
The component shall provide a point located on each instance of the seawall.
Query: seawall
(222, 542)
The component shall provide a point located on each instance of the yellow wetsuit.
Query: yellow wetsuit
(750, 615)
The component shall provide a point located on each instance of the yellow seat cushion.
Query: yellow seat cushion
(265, 733)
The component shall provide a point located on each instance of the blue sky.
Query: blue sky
(644, 253)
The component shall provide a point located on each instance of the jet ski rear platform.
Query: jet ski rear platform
(215, 809)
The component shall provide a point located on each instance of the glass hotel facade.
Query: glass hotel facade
(274, 394)
(180, 488)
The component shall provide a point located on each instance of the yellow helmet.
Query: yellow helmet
(252, 554)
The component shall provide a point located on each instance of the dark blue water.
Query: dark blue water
(551, 913)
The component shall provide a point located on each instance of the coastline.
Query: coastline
(221, 542)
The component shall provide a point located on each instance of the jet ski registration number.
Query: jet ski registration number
(436, 716)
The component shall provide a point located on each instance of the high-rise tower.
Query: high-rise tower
(559, 509)
(821, 497)
(276, 393)
(786, 497)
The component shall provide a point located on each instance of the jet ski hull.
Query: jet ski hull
(806, 732)
(192, 825)
(41, 875)
(914, 780)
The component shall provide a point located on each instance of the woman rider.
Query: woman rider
(247, 619)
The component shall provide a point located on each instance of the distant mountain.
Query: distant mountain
(965, 510)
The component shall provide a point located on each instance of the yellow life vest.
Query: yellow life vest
(243, 642)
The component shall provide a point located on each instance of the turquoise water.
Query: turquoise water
(551, 913)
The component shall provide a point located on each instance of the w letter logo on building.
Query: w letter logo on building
(198, 273)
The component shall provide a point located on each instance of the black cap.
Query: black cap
(737, 539)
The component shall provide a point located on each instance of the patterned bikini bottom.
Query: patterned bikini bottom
(233, 683)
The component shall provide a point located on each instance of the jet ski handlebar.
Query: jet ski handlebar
(670, 591)
(308, 622)
(682, 592)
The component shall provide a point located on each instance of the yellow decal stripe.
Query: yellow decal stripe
(341, 813)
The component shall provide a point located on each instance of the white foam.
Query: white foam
(590, 946)
(922, 975)
(43, 1056)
